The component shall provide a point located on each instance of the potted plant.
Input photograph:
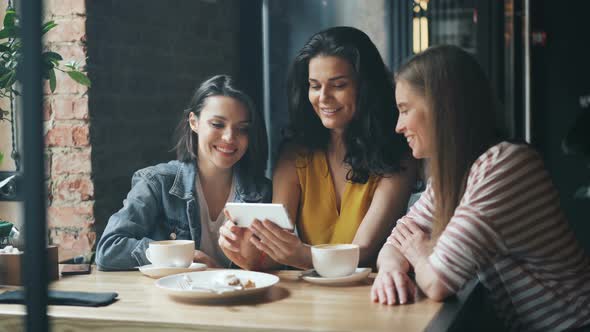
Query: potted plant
(10, 57)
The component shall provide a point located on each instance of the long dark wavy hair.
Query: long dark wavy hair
(253, 163)
(372, 146)
(460, 99)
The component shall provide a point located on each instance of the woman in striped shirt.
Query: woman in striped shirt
(490, 208)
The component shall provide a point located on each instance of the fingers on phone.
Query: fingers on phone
(228, 234)
(271, 225)
(228, 215)
(231, 227)
(225, 239)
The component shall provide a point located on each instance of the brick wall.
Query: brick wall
(68, 169)
(145, 58)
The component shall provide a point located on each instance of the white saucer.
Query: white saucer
(159, 272)
(208, 279)
(312, 276)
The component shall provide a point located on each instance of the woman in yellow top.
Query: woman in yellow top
(344, 175)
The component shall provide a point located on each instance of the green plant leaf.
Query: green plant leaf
(5, 79)
(47, 26)
(52, 80)
(52, 56)
(16, 45)
(4, 47)
(73, 65)
(45, 68)
(9, 18)
(11, 79)
(1, 157)
(79, 77)
(8, 32)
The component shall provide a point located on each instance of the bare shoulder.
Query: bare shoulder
(285, 169)
(285, 182)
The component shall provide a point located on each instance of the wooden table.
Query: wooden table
(291, 305)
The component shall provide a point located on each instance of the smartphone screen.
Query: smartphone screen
(69, 269)
(244, 213)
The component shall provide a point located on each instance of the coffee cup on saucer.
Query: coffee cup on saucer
(335, 260)
(171, 253)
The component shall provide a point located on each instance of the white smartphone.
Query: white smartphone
(244, 213)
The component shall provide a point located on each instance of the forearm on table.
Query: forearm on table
(246, 263)
(119, 252)
(303, 258)
(263, 262)
(268, 264)
(429, 282)
(391, 258)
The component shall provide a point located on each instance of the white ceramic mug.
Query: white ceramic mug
(335, 260)
(171, 253)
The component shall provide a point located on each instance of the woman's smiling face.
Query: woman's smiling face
(222, 129)
(332, 90)
(415, 120)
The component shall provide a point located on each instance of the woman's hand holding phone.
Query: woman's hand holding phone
(236, 245)
(282, 245)
(245, 238)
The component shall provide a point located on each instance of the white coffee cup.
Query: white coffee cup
(171, 253)
(335, 260)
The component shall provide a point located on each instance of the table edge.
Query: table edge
(450, 315)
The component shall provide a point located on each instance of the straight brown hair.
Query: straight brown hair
(459, 97)
(253, 163)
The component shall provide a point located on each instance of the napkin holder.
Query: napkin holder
(11, 267)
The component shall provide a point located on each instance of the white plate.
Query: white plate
(360, 274)
(209, 279)
(159, 272)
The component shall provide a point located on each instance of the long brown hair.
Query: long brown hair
(253, 163)
(459, 97)
(372, 148)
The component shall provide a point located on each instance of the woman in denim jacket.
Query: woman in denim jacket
(222, 152)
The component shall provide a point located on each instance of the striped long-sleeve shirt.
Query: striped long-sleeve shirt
(510, 231)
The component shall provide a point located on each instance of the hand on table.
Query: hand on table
(393, 287)
(201, 257)
(281, 245)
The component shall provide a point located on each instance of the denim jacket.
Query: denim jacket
(162, 205)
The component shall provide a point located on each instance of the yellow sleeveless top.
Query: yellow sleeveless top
(318, 219)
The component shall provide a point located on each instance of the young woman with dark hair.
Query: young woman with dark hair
(343, 174)
(490, 209)
(222, 153)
